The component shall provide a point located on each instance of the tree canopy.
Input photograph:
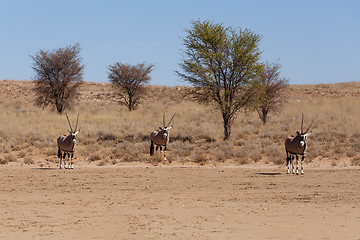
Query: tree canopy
(221, 64)
(58, 74)
(269, 97)
(129, 80)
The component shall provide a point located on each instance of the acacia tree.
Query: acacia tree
(272, 87)
(129, 80)
(221, 63)
(58, 75)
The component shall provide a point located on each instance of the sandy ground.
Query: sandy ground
(178, 202)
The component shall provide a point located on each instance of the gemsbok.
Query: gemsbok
(297, 146)
(161, 138)
(66, 145)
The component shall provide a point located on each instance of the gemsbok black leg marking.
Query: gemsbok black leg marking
(288, 161)
(302, 160)
(297, 164)
(165, 153)
(152, 148)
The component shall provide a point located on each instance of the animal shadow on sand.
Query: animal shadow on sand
(269, 173)
(45, 168)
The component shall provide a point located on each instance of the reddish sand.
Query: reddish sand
(178, 202)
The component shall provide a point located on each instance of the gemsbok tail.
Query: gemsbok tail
(59, 153)
(152, 148)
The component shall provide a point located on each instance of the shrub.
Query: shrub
(3, 161)
(181, 149)
(106, 137)
(102, 163)
(355, 161)
(219, 155)
(155, 160)
(21, 154)
(181, 138)
(278, 161)
(255, 155)
(201, 158)
(243, 161)
(351, 153)
(28, 161)
(11, 157)
(131, 157)
(94, 157)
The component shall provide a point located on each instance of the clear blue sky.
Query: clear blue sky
(315, 41)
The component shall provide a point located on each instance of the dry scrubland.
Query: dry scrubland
(110, 135)
(141, 201)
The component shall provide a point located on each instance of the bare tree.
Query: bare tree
(221, 64)
(270, 93)
(129, 81)
(59, 73)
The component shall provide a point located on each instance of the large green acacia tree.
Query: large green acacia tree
(221, 64)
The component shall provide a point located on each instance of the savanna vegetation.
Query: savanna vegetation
(112, 135)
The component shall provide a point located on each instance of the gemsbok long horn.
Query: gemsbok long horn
(297, 146)
(164, 119)
(77, 121)
(69, 122)
(171, 120)
(311, 124)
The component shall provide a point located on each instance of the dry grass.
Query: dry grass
(111, 135)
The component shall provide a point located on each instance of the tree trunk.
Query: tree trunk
(227, 126)
(59, 106)
(263, 112)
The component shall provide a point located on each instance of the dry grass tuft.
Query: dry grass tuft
(28, 161)
(202, 158)
(11, 157)
(3, 161)
(355, 161)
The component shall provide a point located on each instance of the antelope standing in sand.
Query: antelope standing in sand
(161, 138)
(66, 145)
(297, 146)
